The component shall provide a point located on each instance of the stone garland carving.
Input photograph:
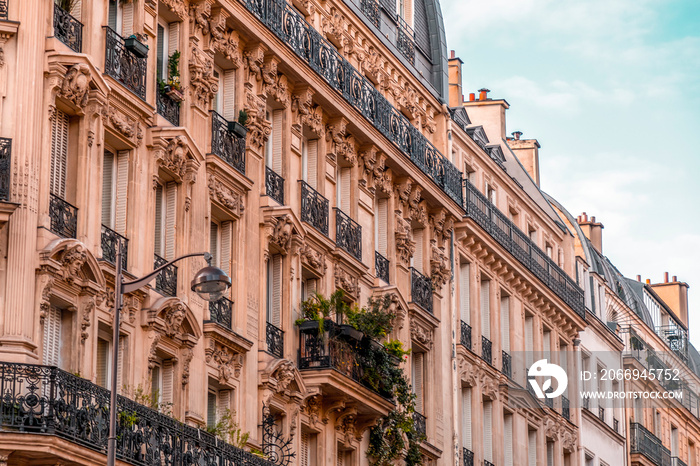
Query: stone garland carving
(440, 271)
(76, 84)
(259, 128)
(346, 281)
(405, 246)
(203, 84)
(199, 17)
(282, 233)
(225, 196)
(421, 334)
(174, 316)
(189, 354)
(126, 125)
(86, 321)
(342, 143)
(176, 6)
(72, 262)
(313, 259)
(226, 360)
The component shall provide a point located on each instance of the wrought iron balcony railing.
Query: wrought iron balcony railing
(467, 457)
(322, 56)
(168, 108)
(109, 241)
(3, 9)
(601, 413)
(587, 403)
(549, 402)
(676, 461)
(274, 185)
(421, 290)
(123, 65)
(371, 9)
(488, 463)
(64, 217)
(486, 350)
(465, 335)
(5, 159)
(314, 208)
(565, 408)
(225, 144)
(647, 444)
(506, 364)
(381, 267)
(348, 234)
(46, 400)
(405, 40)
(420, 423)
(67, 29)
(221, 312)
(275, 340)
(166, 281)
(616, 425)
(480, 209)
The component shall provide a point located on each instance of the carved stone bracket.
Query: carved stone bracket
(179, 7)
(259, 128)
(227, 361)
(227, 197)
(440, 270)
(199, 16)
(313, 259)
(342, 144)
(347, 282)
(76, 85)
(129, 127)
(203, 84)
(306, 112)
(275, 84)
(421, 333)
(405, 246)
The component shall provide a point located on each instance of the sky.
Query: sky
(611, 90)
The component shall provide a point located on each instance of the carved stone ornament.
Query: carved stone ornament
(187, 359)
(468, 373)
(372, 64)
(72, 262)
(421, 334)
(253, 60)
(174, 316)
(86, 319)
(230, 199)
(174, 157)
(199, 17)
(440, 271)
(345, 281)
(275, 84)
(284, 374)
(306, 112)
(76, 85)
(203, 84)
(568, 441)
(228, 45)
(417, 209)
(282, 233)
(342, 144)
(489, 386)
(127, 126)
(405, 246)
(176, 6)
(259, 128)
(228, 362)
(45, 303)
(312, 407)
(333, 26)
(313, 259)
(152, 356)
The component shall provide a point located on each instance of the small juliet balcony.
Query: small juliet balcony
(225, 144)
(421, 290)
(5, 159)
(467, 457)
(314, 208)
(274, 185)
(123, 64)
(166, 281)
(67, 29)
(63, 216)
(465, 335)
(371, 9)
(405, 40)
(506, 364)
(221, 313)
(381, 267)
(167, 107)
(274, 337)
(109, 242)
(348, 234)
(486, 350)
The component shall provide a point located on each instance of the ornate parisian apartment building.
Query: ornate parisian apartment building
(357, 165)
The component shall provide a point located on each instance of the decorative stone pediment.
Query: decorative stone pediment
(422, 328)
(176, 154)
(468, 373)
(68, 260)
(179, 7)
(172, 318)
(227, 197)
(282, 378)
(225, 359)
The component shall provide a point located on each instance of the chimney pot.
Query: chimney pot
(665, 277)
(483, 93)
(472, 97)
(517, 134)
(593, 218)
(585, 217)
(675, 278)
(452, 53)
(639, 278)
(648, 281)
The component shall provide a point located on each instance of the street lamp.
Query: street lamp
(210, 283)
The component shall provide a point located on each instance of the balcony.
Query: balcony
(601, 413)
(486, 350)
(348, 234)
(63, 216)
(221, 312)
(5, 159)
(3, 9)
(566, 408)
(467, 457)
(314, 208)
(420, 423)
(109, 242)
(123, 65)
(465, 335)
(274, 185)
(645, 443)
(405, 41)
(488, 217)
(166, 281)
(167, 107)
(226, 145)
(49, 401)
(616, 425)
(421, 290)
(371, 10)
(67, 29)
(506, 365)
(381, 267)
(676, 461)
(323, 58)
(275, 340)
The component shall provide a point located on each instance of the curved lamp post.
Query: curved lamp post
(210, 283)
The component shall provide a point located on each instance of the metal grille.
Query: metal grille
(506, 365)
(647, 444)
(166, 281)
(64, 217)
(348, 234)
(109, 241)
(314, 208)
(5, 159)
(566, 409)
(420, 423)
(381, 267)
(274, 185)
(465, 337)
(168, 108)
(275, 340)
(405, 41)
(123, 65)
(371, 9)
(467, 457)
(67, 29)
(3, 9)
(221, 312)
(225, 144)
(486, 350)
(421, 290)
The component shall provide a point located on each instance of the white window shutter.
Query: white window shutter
(418, 380)
(418, 255)
(229, 89)
(107, 189)
(529, 341)
(158, 232)
(102, 366)
(550, 453)
(122, 183)
(382, 225)
(312, 165)
(467, 418)
(127, 19)
(344, 191)
(52, 337)
(76, 10)
(532, 448)
(168, 376)
(276, 308)
(276, 136)
(485, 299)
(173, 38)
(161, 59)
(225, 246)
(305, 447)
(214, 243)
(123, 356)
(505, 323)
(508, 440)
(223, 403)
(211, 409)
(170, 219)
(156, 385)
(488, 431)
(464, 288)
(59, 153)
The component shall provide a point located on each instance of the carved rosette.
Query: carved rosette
(405, 246)
(203, 84)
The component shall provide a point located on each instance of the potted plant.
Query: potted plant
(396, 352)
(173, 88)
(238, 127)
(317, 310)
(133, 45)
(350, 332)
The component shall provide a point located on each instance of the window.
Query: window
(218, 405)
(485, 299)
(639, 411)
(505, 322)
(550, 453)
(674, 441)
(467, 418)
(691, 454)
(508, 440)
(464, 293)
(490, 194)
(343, 190)
(488, 431)
(53, 337)
(103, 361)
(307, 455)
(547, 345)
(417, 379)
(59, 153)
(166, 201)
(532, 448)
(115, 178)
(273, 146)
(343, 456)
(381, 224)
(274, 290)
(220, 236)
(514, 217)
(532, 234)
(162, 376)
(168, 40)
(309, 287)
(121, 17)
(657, 424)
(548, 250)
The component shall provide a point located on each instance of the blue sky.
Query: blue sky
(611, 90)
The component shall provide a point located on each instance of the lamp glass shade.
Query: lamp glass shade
(211, 283)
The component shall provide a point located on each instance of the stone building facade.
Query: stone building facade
(360, 168)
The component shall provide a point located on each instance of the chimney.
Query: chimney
(489, 113)
(593, 231)
(527, 151)
(454, 70)
(675, 295)
(483, 92)
(639, 278)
